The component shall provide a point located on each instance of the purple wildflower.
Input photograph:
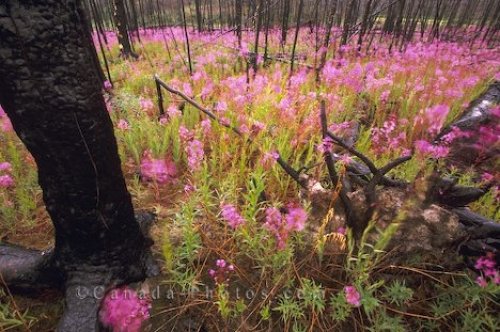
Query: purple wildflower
(352, 296)
(232, 216)
(5, 166)
(295, 219)
(123, 125)
(195, 154)
(487, 266)
(123, 311)
(6, 181)
(221, 272)
(159, 170)
(107, 85)
(269, 159)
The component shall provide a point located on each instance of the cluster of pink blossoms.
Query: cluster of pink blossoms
(282, 225)
(221, 272)
(123, 124)
(5, 124)
(124, 311)
(232, 216)
(159, 170)
(269, 159)
(325, 146)
(193, 148)
(195, 154)
(388, 139)
(429, 149)
(352, 296)
(5, 179)
(107, 85)
(146, 104)
(487, 266)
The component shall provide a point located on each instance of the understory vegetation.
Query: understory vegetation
(243, 246)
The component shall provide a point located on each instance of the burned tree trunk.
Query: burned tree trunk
(120, 17)
(238, 18)
(199, 19)
(52, 94)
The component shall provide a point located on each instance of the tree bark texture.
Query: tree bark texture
(52, 94)
(120, 17)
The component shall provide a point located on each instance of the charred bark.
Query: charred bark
(120, 17)
(52, 95)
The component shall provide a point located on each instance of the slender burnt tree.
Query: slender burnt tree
(120, 18)
(51, 90)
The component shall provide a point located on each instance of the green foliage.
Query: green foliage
(340, 309)
(313, 295)
(397, 293)
(289, 309)
(10, 317)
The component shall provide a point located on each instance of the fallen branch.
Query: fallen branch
(351, 218)
(286, 167)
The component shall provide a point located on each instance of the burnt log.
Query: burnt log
(478, 121)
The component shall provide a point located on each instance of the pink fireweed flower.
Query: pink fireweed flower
(281, 226)
(434, 117)
(341, 230)
(107, 85)
(173, 112)
(222, 271)
(5, 124)
(345, 159)
(123, 311)
(257, 127)
(195, 154)
(225, 121)
(244, 129)
(487, 267)
(187, 89)
(455, 133)
(159, 170)
(325, 146)
(352, 296)
(487, 177)
(163, 120)
(269, 159)
(232, 216)
(295, 218)
(435, 151)
(387, 139)
(185, 134)
(220, 263)
(5, 166)
(6, 181)
(485, 262)
(207, 89)
(189, 188)
(146, 104)
(123, 124)
(481, 282)
(206, 125)
(221, 106)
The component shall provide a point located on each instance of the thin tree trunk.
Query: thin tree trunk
(238, 18)
(120, 17)
(188, 48)
(257, 34)
(297, 28)
(284, 22)
(348, 21)
(199, 18)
